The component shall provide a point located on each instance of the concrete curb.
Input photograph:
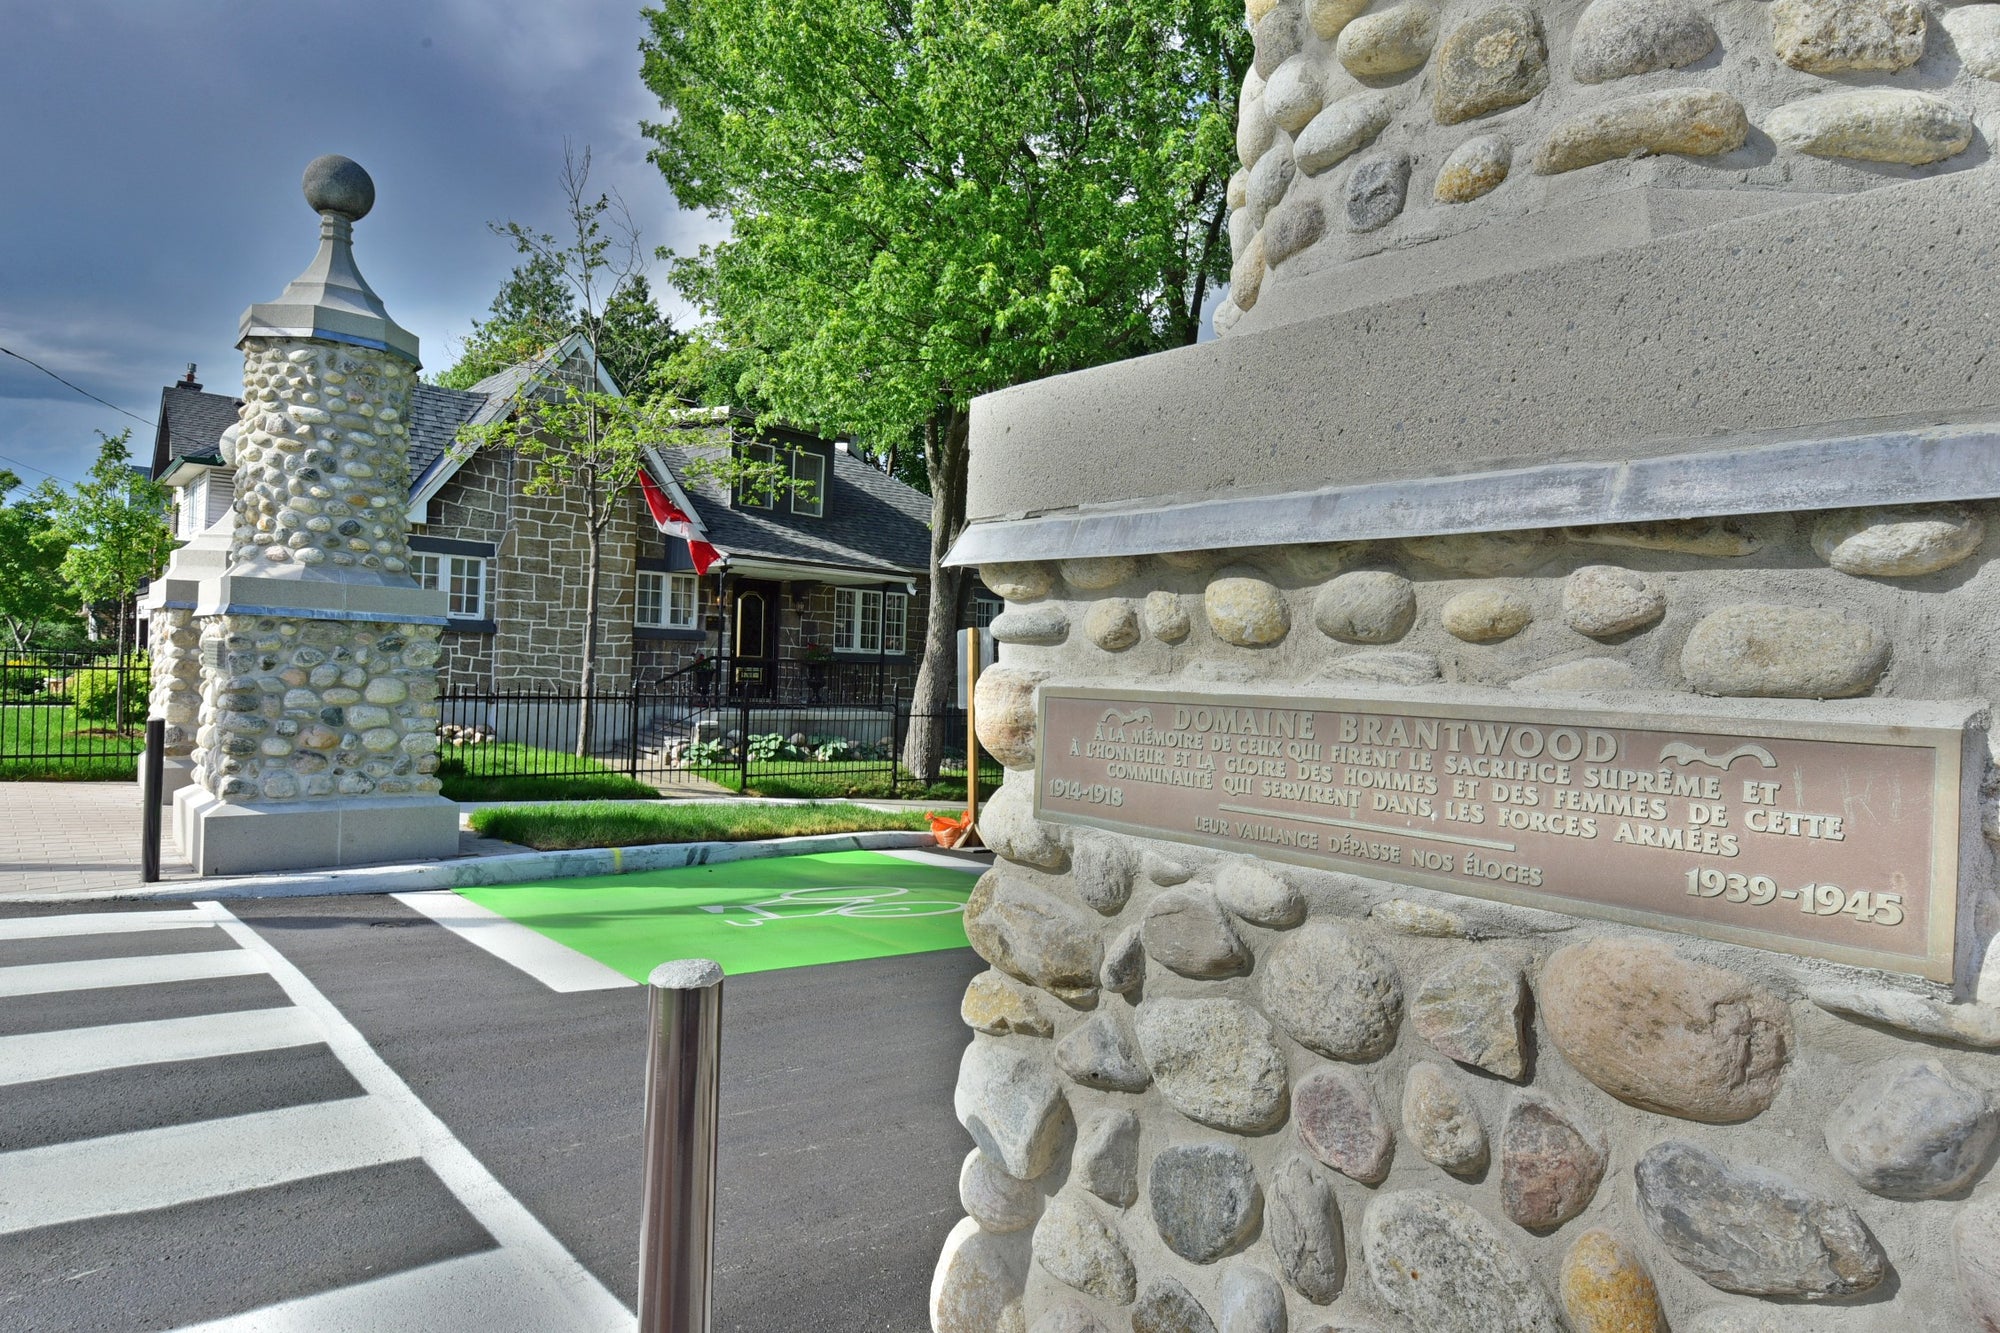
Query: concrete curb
(467, 872)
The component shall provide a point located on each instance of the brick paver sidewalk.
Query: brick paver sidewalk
(75, 837)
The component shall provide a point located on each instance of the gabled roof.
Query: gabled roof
(191, 425)
(435, 416)
(872, 521)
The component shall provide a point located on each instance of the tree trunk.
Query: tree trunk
(585, 718)
(118, 695)
(945, 456)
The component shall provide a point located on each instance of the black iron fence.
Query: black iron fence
(71, 716)
(789, 731)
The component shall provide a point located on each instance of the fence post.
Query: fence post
(743, 730)
(895, 743)
(632, 733)
(683, 1109)
(149, 798)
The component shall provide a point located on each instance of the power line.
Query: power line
(66, 384)
(31, 467)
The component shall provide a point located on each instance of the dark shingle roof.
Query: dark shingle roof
(872, 520)
(191, 425)
(435, 416)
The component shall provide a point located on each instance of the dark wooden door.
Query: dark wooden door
(754, 639)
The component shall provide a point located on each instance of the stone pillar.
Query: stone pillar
(318, 716)
(174, 640)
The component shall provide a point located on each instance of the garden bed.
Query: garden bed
(612, 824)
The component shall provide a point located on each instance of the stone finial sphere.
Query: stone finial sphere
(336, 184)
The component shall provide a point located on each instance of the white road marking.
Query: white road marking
(101, 923)
(546, 1276)
(150, 970)
(158, 1168)
(39, 1055)
(922, 857)
(556, 966)
(476, 1291)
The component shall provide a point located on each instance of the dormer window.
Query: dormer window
(808, 483)
(756, 493)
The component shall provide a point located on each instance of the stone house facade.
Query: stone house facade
(831, 577)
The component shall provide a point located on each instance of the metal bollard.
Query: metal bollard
(149, 798)
(683, 1106)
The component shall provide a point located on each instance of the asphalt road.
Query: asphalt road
(839, 1154)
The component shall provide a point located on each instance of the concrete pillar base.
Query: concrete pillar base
(222, 838)
(175, 773)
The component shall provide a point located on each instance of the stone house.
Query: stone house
(830, 576)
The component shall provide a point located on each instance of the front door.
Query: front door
(754, 639)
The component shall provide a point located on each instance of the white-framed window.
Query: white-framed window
(665, 601)
(204, 500)
(984, 608)
(463, 576)
(868, 621)
(809, 483)
(755, 496)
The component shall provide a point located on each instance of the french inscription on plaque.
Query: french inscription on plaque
(1829, 840)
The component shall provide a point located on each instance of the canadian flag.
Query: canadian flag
(670, 519)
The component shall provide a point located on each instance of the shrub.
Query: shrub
(22, 680)
(706, 754)
(95, 694)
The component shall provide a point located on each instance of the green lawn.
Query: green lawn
(504, 771)
(64, 756)
(748, 916)
(611, 824)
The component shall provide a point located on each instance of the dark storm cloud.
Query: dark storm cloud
(152, 158)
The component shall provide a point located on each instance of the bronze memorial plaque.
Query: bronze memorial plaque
(1837, 841)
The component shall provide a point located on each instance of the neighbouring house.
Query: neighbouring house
(821, 588)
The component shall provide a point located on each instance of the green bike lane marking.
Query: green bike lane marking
(749, 916)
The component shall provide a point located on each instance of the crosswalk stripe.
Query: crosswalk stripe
(148, 970)
(176, 1164)
(38, 1055)
(557, 966)
(536, 1256)
(101, 923)
(474, 1292)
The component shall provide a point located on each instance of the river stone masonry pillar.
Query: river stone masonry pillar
(1501, 814)
(317, 735)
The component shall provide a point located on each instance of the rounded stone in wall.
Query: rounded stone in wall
(1491, 61)
(1294, 93)
(1247, 612)
(1095, 573)
(1276, 40)
(1387, 43)
(1205, 1199)
(1216, 1061)
(1291, 227)
(1747, 1229)
(1485, 553)
(1913, 1130)
(1113, 624)
(1330, 17)
(1897, 543)
(1975, 34)
(1897, 125)
(979, 1281)
(1004, 709)
(1606, 1288)
(1474, 168)
(1021, 582)
(1615, 39)
(996, 1200)
(1756, 649)
(1340, 130)
(1848, 36)
(1440, 1265)
(1691, 122)
(1333, 993)
(1077, 1247)
(1442, 1120)
(1683, 1038)
(1377, 189)
(1246, 274)
(1603, 600)
(1486, 615)
(1033, 625)
(1166, 617)
(1366, 606)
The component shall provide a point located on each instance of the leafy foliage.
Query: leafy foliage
(934, 199)
(33, 597)
(113, 526)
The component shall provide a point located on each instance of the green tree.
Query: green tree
(576, 438)
(33, 598)
(533, 310)
(934, 199)
(114, 524)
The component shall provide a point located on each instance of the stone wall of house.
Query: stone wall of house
(174, 640)
(306, 709)
(1363, 132)
(1209, 1091)
(537, 580)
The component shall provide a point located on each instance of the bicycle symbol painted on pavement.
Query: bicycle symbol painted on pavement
(866, 901)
